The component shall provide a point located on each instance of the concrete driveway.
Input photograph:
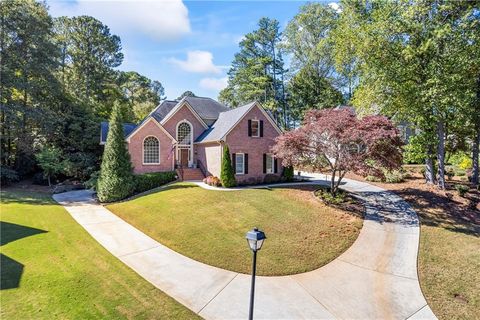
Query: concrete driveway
(376, 278)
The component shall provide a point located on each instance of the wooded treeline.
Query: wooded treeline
(57, 82)
(418, 62)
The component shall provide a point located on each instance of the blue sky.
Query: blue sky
(186, 45)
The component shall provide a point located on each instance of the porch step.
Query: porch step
(191, 174)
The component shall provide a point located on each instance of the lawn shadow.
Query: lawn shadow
(10, 272)
(10, 232)
(24, 197)
(439, 211)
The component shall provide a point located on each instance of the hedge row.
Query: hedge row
(148, 181)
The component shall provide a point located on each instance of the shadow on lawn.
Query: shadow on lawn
(10, 232)
(10, 269)
(25, 197)
(439, 211)
(10, 272)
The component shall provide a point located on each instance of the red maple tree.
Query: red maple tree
(338, 141)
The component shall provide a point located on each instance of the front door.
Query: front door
(184, 157)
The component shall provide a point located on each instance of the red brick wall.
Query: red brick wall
(184, 113)
(135, 148)
(239, 142)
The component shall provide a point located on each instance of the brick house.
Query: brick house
(189, 136)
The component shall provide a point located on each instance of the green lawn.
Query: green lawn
(51, 268)
(449, 268)
(209, 226)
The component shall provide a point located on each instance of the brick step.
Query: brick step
(191, 174)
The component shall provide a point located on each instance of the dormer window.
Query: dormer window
(255, 128)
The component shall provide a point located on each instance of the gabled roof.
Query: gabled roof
(127, 129)
(143, 123)
(206, 108)
(163, 109)
(228, 120)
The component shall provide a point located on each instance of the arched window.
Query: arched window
(151, 150)
(184, 133)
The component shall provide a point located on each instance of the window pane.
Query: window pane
(255, 128)
(151, 153)
(183, 134)
(239, 163)
(269, 164)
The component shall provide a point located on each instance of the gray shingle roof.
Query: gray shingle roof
(226, 120)
(163, 109)
(127, 129)
(206, 108)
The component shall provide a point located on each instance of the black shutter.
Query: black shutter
(234, 163)
(249, 128)
(245, 162)
(261, 128)
(264, 163)
(275, 170)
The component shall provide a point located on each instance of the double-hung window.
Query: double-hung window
(270, 164)
(255, 127)
(239, 163)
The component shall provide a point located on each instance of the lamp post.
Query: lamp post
(255, 240)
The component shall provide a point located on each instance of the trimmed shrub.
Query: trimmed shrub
(462, 189)
(227, 175)
(373, 179)
(394, 176)
(212, 181)
(326, 196)
(460, 173)
(466, 163)
(287, 173)
(116, 180)
(8, 176)
(148, 181)
(271, 178)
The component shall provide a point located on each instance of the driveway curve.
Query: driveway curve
(376, 278)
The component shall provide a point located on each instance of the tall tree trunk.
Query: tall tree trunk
(475, 155)
(333, 191)
(476, 140)
(429, 167)
(441, 154)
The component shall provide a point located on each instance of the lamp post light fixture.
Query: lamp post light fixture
(255, 239)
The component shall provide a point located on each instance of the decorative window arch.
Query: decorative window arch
(184, 133)
(151, 150)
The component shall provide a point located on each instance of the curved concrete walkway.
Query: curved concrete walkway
(376, 278)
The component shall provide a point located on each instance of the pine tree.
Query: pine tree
(227, 176)
(116, 180)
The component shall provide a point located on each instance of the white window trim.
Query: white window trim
(272, 169)
(191, 132)
(258, 128)
(143, 152)
(243, 163)
(185, 146)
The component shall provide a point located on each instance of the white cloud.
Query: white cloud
(335, 6)
(198, 61)
(161, 20)
(213, 83)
